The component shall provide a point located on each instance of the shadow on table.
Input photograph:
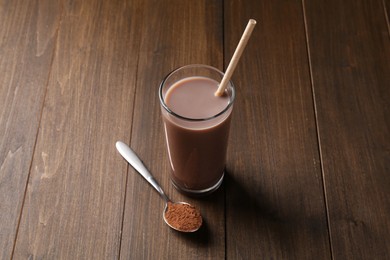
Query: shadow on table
(273, 218)
(242, 206)
(250, 214)
(248, 201)
(200, 238)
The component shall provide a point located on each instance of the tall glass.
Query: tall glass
(196, 125)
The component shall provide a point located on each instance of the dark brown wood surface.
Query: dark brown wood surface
(308, 162)
(274, 190)
(350, 64)
(27, 44)
(172, 35)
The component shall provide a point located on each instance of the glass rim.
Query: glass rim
(165, 106)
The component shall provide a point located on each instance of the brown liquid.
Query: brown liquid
(197, 150)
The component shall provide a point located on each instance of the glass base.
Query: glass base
(199, 193)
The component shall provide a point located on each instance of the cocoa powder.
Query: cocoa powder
(183, 217)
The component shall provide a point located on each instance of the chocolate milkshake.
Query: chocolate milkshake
(196, 126)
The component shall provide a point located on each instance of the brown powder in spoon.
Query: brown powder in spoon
(183, 217)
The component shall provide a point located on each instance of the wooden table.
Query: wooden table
(308, 172)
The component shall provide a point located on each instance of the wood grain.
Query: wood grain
(386, 9)
(275, 206)
(350, 54)
(174, 33)
(75, 194)
(27, 37)
(308, 161)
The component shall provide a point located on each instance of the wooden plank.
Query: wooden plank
(173, 34)
(75, 194)
(27, 33)
(350, 57)
(386, 9)
(275, 206)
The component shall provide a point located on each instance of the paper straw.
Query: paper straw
(236, 57)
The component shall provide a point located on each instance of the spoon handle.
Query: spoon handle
(132, 158)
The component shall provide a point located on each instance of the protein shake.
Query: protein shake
(196, 126)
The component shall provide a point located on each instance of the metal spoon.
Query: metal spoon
(132, 158)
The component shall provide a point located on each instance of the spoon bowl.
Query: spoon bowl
(180, 216)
